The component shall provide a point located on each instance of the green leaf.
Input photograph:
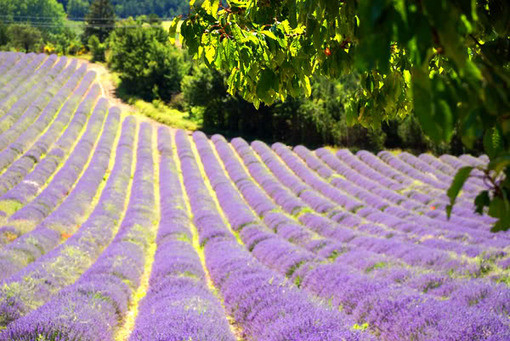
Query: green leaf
(351, 114)
(468, 7)
(265, 83)
(433, 100)
(444, 119)
(471, 127)
(307, 86)
(482, 200)
(472, 72)
(269, 34)
(174, 27)
(453, 44)
(229, 53)
(211, 6)
(219, 56)
(423, 104)
(457, 184)
(237, 33)
(375, 33)
(500, 208)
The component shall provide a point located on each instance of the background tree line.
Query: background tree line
(37, 26)
(43, 25)
(130, 8)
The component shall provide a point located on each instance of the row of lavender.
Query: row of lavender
(56, 157)
(36, 120)
(376, 290)
(363, 269)
(72, 250)
(252, 242)
(267, 251)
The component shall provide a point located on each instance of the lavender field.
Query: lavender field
(113, 227)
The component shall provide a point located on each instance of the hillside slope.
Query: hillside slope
(116, 227)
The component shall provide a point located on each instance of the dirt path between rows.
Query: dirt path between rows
(105, 81)
(108, 90)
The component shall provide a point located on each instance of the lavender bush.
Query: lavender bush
(113, 228)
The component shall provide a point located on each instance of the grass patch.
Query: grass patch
(293, 268)
(156, 110)
(162, 113)
(378, 265)
(10, 206)
(86, 56)
(334, 255)
(299, 211)
(187, 274)
(297, 281)
(183, 237)
(332, 149)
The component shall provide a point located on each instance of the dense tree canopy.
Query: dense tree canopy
(128, 8)
(163, 8)
(149, 67)
(47, 14)
(77, 8)
(24, 37)
(100, 20)
(445, 61)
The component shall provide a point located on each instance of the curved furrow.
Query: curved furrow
(9, 61)
(405, 205)
(38, 179)
(35, 117)
(62, 184)
(324, 249)
(285, 259)
(63, 106)
(439, 215)
(240, 216)
(445, 168)
(27, 110)
(73, 211)
(14, 105)
(39, 281)
(471, 186)
(178, 304)
(277, 221)
(102, 295)
(350, 228)
(372, 192)
(281, 308)
(18, 67)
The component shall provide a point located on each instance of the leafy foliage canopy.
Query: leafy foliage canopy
(445, 61)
